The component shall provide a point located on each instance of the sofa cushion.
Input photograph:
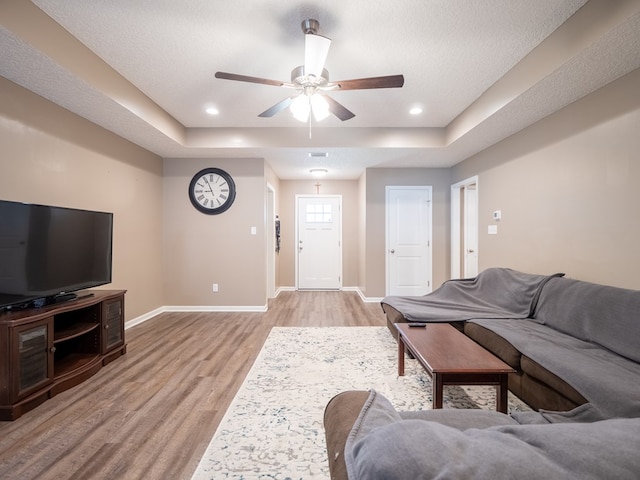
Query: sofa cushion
(537, 371)
(604, 378)
(493, 342)
(462, 419)
(539, 395)
(379, 448)
(601, 314)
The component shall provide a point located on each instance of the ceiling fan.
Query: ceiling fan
(311, 82)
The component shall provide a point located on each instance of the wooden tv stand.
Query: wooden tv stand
(45, 351)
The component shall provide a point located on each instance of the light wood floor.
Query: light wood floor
(151, 413)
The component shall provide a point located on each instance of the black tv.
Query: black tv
(47, 253)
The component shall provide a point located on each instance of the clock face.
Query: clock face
(212, 191)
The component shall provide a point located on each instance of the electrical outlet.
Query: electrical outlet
(214, 287)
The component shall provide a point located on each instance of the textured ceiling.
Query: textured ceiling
(481, 70)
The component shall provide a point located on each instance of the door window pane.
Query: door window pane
(319, 213)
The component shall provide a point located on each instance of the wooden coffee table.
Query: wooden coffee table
(452, 358)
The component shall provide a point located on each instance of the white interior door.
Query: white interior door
(408, 212)
(319, 242)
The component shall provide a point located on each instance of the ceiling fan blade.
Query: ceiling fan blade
(316, 49)
(245, 78)
(391, 81)
(278, 107)
(338, 109)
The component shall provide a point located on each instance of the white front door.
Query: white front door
(319, 242)
(408, 212)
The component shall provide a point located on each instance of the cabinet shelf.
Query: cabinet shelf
(72, 362)
(71, 331)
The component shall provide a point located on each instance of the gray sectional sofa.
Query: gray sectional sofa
(570, 342)
(575, 347)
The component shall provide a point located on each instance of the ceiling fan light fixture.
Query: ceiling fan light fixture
(303, 105)
(300, 107)
(319, 107)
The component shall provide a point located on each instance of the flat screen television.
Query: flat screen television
(48, 252)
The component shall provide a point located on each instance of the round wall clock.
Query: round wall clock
(212, 191)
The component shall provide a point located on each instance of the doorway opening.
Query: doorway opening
(271, 241)
(464, 228)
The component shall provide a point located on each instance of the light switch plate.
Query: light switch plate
(492, 230)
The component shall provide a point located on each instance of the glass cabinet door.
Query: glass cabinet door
(113, 322)
(34, 356)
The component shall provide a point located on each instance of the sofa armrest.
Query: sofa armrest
(339, 416)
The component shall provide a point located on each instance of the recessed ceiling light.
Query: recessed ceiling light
(318, 172)
(212, 111)
(415, 111)
(318, 154)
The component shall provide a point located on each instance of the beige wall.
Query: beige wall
(567, 188)
(349, 191)
(568, 191)
(53, 157)
(200, 250)
(377, 179)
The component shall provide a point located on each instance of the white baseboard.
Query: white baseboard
(225, 308)
(196, 308)
(215, 308)
(367, 299)
(143, 318)
(284, 289)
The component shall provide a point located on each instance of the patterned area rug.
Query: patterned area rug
(273, 428)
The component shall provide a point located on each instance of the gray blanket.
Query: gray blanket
(589, 336)
(607, 380)
(494, 293)
(383, 445)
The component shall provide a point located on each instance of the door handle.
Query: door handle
(392, 251)
(470, 251)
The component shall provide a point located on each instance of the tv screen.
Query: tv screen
(48, 251)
